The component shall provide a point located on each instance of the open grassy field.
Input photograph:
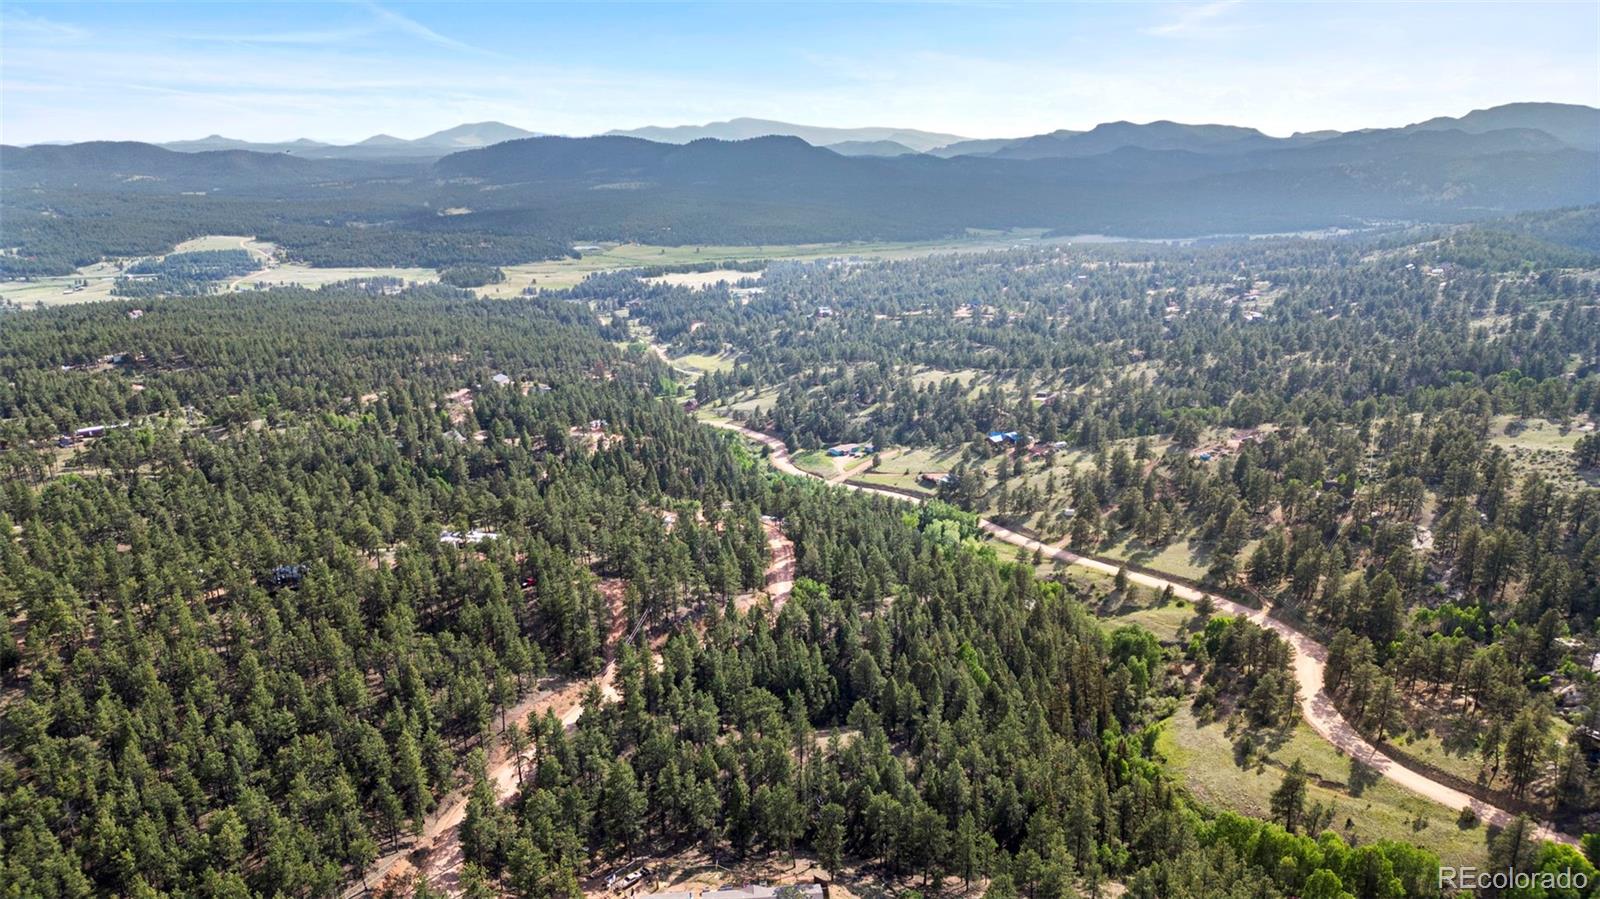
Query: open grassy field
(817, 462)
(699, 280)
(555, 274)
(1460, 757)
(1534, 434)
(60, 290)
(901, 465)
(1184, 558)
(938, 376)
(551, 274)
(1539, 446)
(1170, 623)
(306, 276)
(702, 363)
(258, 248)
(750, 401)
(1366, 807)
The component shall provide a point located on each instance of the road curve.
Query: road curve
(1309, 655)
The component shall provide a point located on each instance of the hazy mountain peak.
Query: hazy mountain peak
(819, 136)
(473, 134)
(1572, 124)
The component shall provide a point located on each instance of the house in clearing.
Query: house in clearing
(470, 538)
(935, 478)
(286, 576)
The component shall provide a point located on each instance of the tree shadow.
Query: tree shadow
(1362, 775)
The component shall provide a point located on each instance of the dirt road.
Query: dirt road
(441, 832)
(1309, 656)
(244, 244)
(780, 568)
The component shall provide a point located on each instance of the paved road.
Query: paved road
(1309, 655)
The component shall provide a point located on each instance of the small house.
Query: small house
(287, 576)
(470, 538)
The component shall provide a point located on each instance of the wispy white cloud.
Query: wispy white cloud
(378, 22)
(1199, 20)
(416, 29)
(317, 38)
(17, 23)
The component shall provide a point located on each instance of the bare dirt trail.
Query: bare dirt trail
(441, 833)
(780, 567)
(1309, 656)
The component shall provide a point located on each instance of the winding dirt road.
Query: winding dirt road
(1309, 655)
(244, 244)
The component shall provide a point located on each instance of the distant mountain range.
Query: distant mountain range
(1161, 179)
(744, 129)
(439, 143)
(1573, 126)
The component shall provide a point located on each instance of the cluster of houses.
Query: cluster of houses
(1020, 441)
(852, 450)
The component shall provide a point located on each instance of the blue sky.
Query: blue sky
(343, 71)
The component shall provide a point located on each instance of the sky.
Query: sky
(341, 72)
